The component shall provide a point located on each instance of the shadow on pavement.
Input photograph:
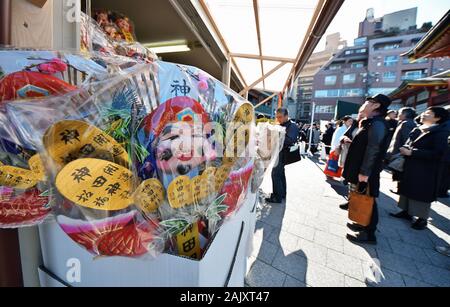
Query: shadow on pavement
(279, 262)
(405, 256)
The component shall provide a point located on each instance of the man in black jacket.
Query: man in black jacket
(406, 125)
(365, 157)
(278, 173)
(327, 137)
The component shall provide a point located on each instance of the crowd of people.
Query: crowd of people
(415, 149)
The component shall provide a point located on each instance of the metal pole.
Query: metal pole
(310, 128)
(226, 72)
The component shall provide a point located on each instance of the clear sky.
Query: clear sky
(353, 11)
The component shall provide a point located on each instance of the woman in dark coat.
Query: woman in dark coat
(423, 154)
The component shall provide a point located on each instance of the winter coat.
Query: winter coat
(366, 153)
(401, 135)
(421, 170)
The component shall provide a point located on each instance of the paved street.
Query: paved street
(302, 243)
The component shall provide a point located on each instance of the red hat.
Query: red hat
(178, 109)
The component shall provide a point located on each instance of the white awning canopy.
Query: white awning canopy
(265, 39)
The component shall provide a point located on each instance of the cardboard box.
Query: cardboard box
(224, 264)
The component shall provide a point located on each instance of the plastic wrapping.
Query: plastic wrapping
(23, 193)
(153, 159)
(270, 140)
(112, 35)
(85, 139)
(192, 139)
(25, 75)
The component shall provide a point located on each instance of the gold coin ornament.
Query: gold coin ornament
(19, 178)
(96, 184)
(245, 114)
(37, 166)
(221, 176)
(197, 193)
(69, 140)
(238, 134)
(208, 179)
(149, 195)
(179, 192)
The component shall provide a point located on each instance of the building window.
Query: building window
(388, 46)
(335, 66)
(352, 92)
(327, 93)
(349, 79)
(413, 75)
(357, 65)
(418, 61)
(306, 80)
(325, 109)
(330, 80)
(381, 90)
(362, 50)
(360, 41)
(390, 60)
(389, 77)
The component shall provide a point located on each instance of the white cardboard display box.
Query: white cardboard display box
(224, 264)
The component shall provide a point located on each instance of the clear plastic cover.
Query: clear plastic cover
(111, 34)
(152, 159)
(85, 139)
(199, 139)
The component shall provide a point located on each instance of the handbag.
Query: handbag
(360, 206)
(332, 168)
(397, 163)
(292, 155)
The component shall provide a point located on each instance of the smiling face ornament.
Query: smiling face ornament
(180, 138)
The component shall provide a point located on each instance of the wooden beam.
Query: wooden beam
(258, 34)
(263, 57)
(262, 78)
(324, 14)
(222, 40)
(305, 40)
(265, 100)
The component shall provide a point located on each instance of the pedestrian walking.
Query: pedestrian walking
(315, 139)
(278, 172)
(423, 154)
(327, 137)
(364, 162)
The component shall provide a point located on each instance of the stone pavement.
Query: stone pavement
(302, 242)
